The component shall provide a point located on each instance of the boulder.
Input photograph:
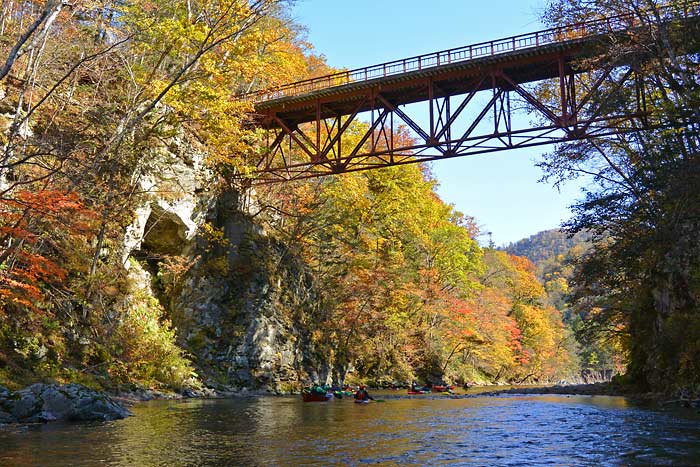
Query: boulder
(23, 404)
(49, 402)
(6, 417)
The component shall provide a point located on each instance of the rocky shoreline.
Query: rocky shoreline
(593, 389)
(144, 395)
(41, 403)
(605, 389)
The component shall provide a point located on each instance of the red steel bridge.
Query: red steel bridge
(466, 98)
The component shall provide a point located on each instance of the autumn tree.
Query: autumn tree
(639, 282)
(92, 91)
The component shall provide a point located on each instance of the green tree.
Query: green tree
(639, 283)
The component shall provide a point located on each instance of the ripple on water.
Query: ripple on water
(484, 431)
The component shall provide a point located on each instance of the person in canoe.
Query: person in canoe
(417, 389)
(362, 395)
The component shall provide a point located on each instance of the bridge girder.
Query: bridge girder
(457, 125)
(467, 96)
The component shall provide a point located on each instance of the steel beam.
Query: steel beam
(310, 128)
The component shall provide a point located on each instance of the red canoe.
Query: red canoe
(315, 397)
(442, 388)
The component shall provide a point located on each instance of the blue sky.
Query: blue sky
(500, 190)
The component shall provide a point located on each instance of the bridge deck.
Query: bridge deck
(450, 79)
(307, 120)
(525, 58)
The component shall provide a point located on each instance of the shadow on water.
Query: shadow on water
(494, 431)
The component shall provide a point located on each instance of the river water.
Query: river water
(405, 431)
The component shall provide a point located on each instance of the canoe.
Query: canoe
(413, 393)
(315, 397)
(357, 401)
(442, 388)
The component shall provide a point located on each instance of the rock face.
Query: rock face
(242, 308)
(244, 311)
(176, 201)
(50, 402)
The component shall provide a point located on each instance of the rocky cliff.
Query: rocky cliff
(243, 307)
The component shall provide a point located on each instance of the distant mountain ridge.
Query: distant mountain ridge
(544, 245)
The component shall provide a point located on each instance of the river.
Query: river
(417, 431)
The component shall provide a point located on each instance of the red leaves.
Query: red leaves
(36, 228)
(54, 206)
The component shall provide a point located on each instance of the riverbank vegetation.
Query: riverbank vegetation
(407, 293)
(639, 284)
(555, 254)
(94, 94)
(91, 92)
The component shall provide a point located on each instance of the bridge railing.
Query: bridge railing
(559, 34)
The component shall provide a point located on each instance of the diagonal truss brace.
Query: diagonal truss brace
(300, 151)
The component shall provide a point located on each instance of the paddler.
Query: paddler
(363, 395)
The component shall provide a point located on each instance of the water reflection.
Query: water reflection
(498, 431)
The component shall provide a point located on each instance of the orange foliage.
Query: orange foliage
(36, 231)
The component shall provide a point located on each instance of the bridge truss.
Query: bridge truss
(456, 103)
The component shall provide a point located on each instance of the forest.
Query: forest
(132, 255)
